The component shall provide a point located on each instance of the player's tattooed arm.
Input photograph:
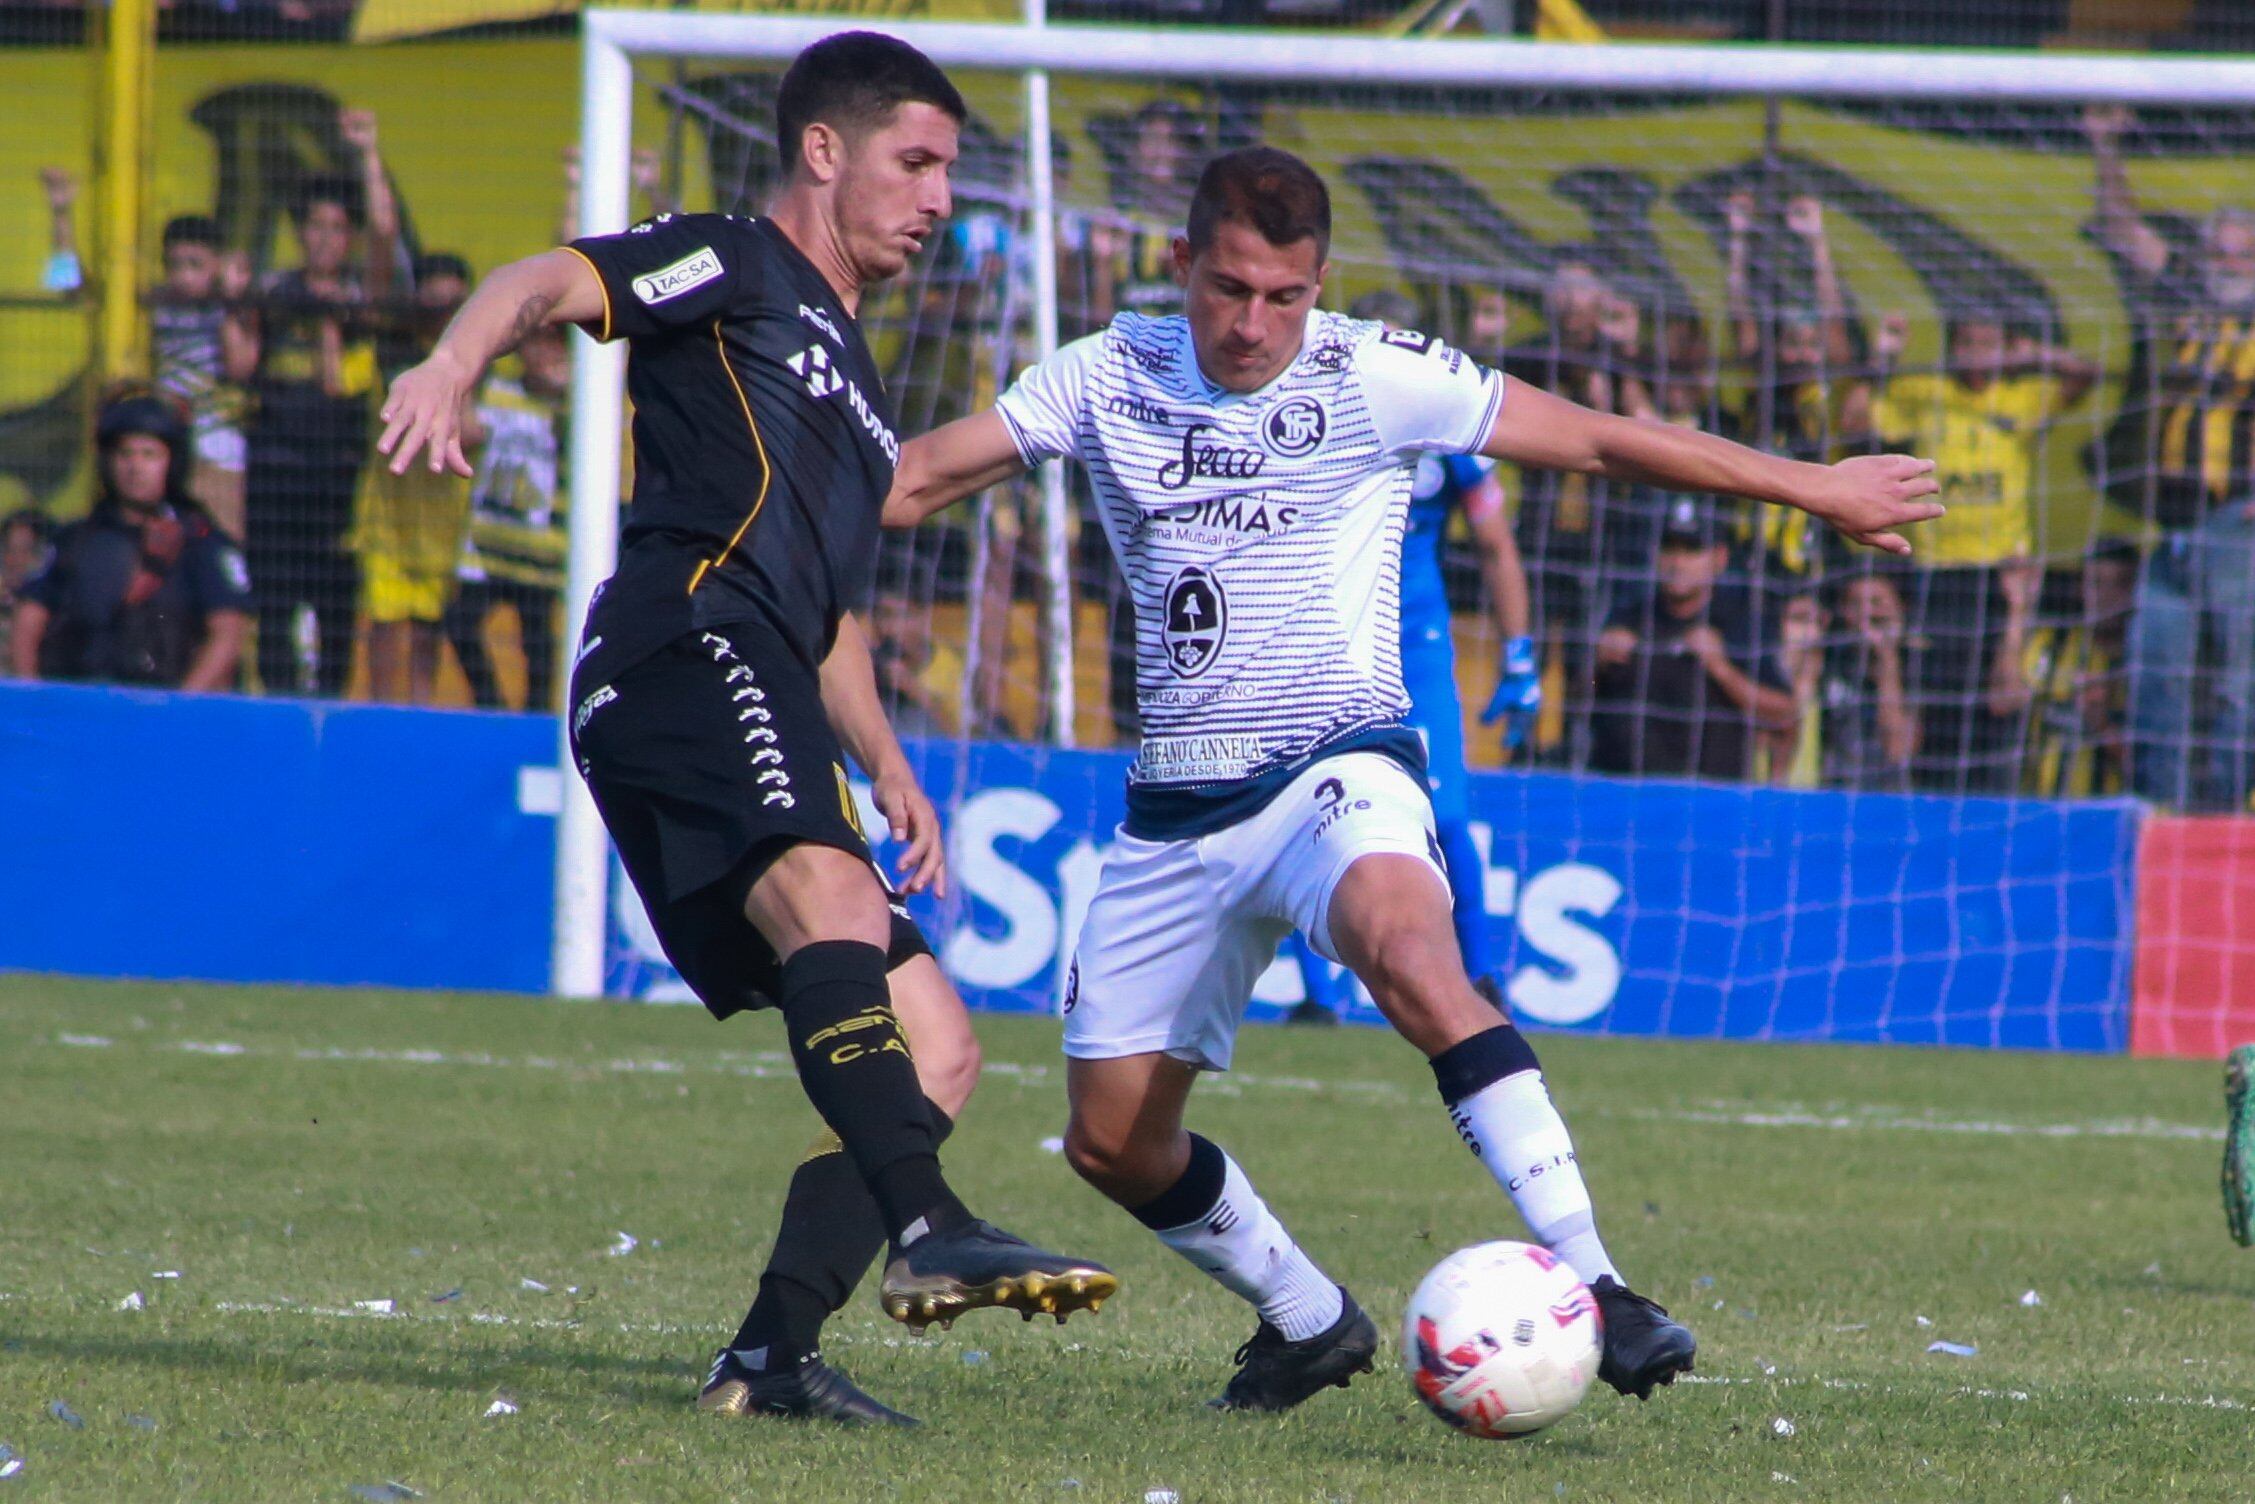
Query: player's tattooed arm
(1867, 497)
(951, 462)
(424, 412)
(856, 712)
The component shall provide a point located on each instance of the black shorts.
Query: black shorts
(708, 759)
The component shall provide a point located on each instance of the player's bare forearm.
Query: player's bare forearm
(955, 460)
(554, 287)
(425, 408)
(1867, 497)
(851, 704)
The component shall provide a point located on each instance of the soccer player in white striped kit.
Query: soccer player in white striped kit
(1252, 461)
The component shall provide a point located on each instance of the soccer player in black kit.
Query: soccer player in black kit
(721, 669)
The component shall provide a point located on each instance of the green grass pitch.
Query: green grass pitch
(1819, 1216)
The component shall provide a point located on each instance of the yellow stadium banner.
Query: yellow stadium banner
(1918, 219)
(391, 20)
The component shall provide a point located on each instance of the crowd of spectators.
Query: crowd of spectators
(1682, 635)
(1694, 636)
(274, 551)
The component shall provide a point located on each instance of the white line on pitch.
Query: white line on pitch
(774, 1064)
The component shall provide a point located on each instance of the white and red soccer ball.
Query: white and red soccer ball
(1501, 1339)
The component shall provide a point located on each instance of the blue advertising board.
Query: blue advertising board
(244, 840)
(227, 839)
(1646, 907)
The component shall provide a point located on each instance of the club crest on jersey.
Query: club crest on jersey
(1295, 429)
(1208, 461)
(1195, 622)
(689, 273)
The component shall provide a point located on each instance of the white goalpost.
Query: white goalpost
(612, 40)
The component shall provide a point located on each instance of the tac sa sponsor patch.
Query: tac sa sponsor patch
(689, 273)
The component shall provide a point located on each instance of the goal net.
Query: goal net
(1776, 787)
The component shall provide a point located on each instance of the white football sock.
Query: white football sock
(1520, 1137)
(1241, 1244)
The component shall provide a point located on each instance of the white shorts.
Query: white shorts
(1179, 931)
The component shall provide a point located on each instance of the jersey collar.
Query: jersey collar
(1221, 396)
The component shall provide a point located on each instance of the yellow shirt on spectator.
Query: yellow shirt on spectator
(1983, 443)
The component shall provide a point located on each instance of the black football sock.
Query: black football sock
(854, 1063)
(830, 1234)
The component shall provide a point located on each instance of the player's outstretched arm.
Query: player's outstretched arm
(423, 411)
(851, 704)
(1867, 497)
(951, 462)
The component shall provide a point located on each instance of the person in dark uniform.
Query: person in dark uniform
(722, 667)
(145, 589)
(1687, 677)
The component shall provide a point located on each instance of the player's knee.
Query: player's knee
(950, 1073)
(1108, 1158)
(1094, 1156)
(813, 893)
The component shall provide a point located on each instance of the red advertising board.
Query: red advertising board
(2195, 988)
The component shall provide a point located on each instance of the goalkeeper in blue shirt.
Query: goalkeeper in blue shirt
(1445, 484)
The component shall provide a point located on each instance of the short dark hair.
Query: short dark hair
(2123, 551)
(441, 264)
(854, 82)
(1172, 113)
(1275, 192)
(42, 526)
(326, 188)
(193, 229)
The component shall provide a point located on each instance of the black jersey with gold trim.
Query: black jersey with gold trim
(763, 440)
